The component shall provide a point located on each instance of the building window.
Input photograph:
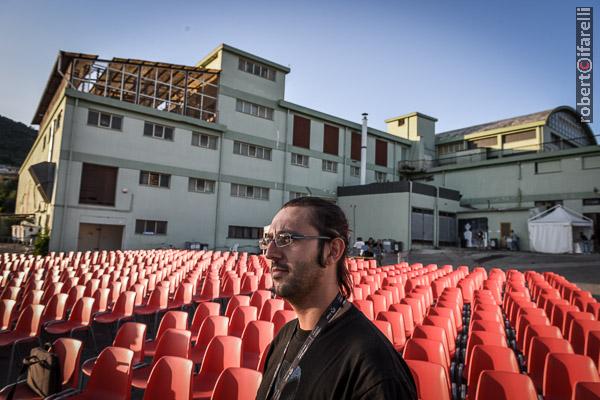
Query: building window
(449, 148)
(203, 140)
(487, 142)
(546, 167)
(251, 150)
(301, 135)
(148, 227)
(201, 185)
(518, 137)
(591, 202)
(331, 138)
(249, 192)
(98, 185)
(254, 68)
(299, 160)
(295, 195)
(354, 171)
(155, 179)
(158, 131)
(104, 120)
(244, 232)
(381, 152)
(329, 166)
(355, 146)
(401, 122)
(254, 109)
(546, 204)
(380, 176)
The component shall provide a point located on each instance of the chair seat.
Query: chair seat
(176, 304)
(22, 392)
(139, 376)
(144, 310)
(150, 348)
(109, 318)
(87, 366)
(63, 327)
(8, 338)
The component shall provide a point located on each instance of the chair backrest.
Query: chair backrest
(504, 385)
(366, 307)
(235, 302)
(430, 379)
(172, 320)
(184, 293)
(159, 297)
(489, 357)
(417, 310)
(259, 298)
(125, 303)
(240, 318)
(111, 375)
(10, 293)
(434, 333)
(55, 309)
(170, 379)
(563, 370)
(101, 300)
(203, 310)
(237, 384)
(446, 324)
(213, 325)
(132, 336)
(69, 354)
(6, 310)
(75, 293)
(222, 352)
(407, 314)
(396, 321)
(255, 339)
(173, 342)
(282, 317)
(379, 303)
(138, 288)
(29, 320)
(586, 391)
(269, 308)
(386, 328)
(540, 348)
(482, 337)
(82, 311)
(425, 350)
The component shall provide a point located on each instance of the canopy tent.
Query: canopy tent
(552, 230)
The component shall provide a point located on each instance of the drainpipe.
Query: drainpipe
(409, 241)
(284, 169)
(436, 219)
(363, 151)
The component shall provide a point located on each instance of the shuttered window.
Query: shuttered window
(301, 132)
(355, 146)
(98, 185)
(381, 152)
(331, 139)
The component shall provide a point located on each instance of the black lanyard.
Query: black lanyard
(327, 316)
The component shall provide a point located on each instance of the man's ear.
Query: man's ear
(335, 251)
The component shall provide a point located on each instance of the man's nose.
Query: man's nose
(272, 251)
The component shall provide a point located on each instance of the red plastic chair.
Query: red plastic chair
(366, 307)
(75, 293)
(158, 301)
(255, 339)
(55, 309)
(570, 317)
(446, 324)
(132, 336)
(504, 385)
(580, 329)
(203, 311)
(209, 291)
(434, 333)
(6, 311)
(241, 316)
(407, 314)
(79, 319)
(396, 321)
(562, 371)
(110, 378)
(379, 304)
(249, 284)
(121, 311)
(183, 296)
(430, 378)
(586, 391)
(524, 321)
(269, 308)
(173, 342)
(10, 293)
(223, 352)
(171, 320)
(24, 334)
(489, 357)
(259, 298)
(417, 310)
(235, 302)
(593, 347)
(170, 379)
(488, 326)
(237, 384)
(425, 350)
(532, 331)
(282, 317)
(540, 348)
(213, 325)
(385, 328)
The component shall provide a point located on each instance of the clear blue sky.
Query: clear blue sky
(463, 62)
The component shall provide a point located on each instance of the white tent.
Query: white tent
(552, 230)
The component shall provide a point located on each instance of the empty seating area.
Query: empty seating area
(179, 324)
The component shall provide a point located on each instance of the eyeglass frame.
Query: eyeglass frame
(292, 237)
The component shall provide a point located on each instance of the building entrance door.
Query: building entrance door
(99, 237)
(595, 240)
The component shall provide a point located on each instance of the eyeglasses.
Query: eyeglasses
(285, 239)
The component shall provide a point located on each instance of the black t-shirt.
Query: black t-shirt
(349, 359)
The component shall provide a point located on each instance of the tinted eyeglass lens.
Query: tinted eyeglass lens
(283, 239)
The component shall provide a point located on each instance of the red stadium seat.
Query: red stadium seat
(223, 352)
(255, 339)
(203, 310)
(430, 379)
(505, 385)
(540, 348)
(171, 320)
(562, 371)
(489, 357)
(213, 325)
(170, 379)
(240, 318)
(237, 384)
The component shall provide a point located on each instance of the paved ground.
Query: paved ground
(581, 269)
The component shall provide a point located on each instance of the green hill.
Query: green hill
(15, 141)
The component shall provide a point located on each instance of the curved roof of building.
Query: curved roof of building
(540, 116)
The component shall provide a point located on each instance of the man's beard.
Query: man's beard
(297, 285)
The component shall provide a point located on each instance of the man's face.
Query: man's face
(295, 268)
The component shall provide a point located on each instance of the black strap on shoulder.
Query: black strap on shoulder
(327, 316)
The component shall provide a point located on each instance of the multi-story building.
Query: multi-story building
(139, 154)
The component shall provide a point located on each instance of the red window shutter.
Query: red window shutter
(355, 146)
(301, 132)
(331, 140)
(381, 152)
